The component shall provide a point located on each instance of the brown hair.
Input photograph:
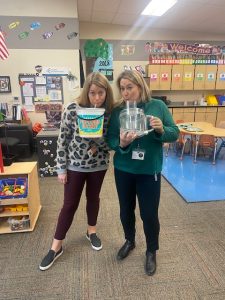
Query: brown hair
(136, 78)
(101, 81)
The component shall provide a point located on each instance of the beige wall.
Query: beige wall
(25, 60)
(41, 8)
(117, 32)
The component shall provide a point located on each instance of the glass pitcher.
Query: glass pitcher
(134, 119)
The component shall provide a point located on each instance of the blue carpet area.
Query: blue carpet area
(195, 182)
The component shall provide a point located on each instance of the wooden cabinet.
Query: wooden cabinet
(220, 81)
(159, 76)
(206, 114)
(177, 77)
(220, 115)
(32, 201)
(210, 77)
(188, 77)
(46, 147)
(184, 113)
(205, 77)
(210, 114)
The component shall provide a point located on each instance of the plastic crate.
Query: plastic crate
(220, 99)
(14, 184)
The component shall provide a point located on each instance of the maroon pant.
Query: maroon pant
(72, 194)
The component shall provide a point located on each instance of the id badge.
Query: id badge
(138, 154)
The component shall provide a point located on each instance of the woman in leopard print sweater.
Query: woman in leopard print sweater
(79, 161)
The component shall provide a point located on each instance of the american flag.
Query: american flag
(3, 49)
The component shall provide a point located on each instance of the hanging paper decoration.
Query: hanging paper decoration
(60, 26)
(14, 25)
(35, 25)
(47, 35)
(72, 35)
(23, 35)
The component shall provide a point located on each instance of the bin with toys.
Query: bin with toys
(13, 188)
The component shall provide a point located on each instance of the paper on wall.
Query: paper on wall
(41, 91)
(40, 80)
(28, 89)
(55, 95)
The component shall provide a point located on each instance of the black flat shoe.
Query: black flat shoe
(125, 250)
(150, 264)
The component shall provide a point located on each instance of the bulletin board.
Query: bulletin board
(38, 89)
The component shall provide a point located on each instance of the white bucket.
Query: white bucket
(90, 122)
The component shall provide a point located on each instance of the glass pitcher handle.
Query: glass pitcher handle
(148, 117)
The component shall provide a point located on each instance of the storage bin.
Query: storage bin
(211, 100)
(220, 99)
(19, 223)
(16, 186)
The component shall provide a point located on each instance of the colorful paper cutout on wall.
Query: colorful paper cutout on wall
(35, 25)
(60, 26)
(14, 25)
(127, 49)
(23, 35)
(47, 35)
(72, 35)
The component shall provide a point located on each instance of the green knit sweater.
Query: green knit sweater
(151, 143)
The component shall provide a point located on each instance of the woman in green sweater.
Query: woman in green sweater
(138, 164)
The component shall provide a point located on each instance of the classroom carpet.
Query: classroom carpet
(195, 182)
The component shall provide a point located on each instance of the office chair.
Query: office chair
(7, 143)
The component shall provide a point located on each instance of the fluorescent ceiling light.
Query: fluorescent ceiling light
(158, 7)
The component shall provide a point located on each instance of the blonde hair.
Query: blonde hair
(136, 78)
(101, 81)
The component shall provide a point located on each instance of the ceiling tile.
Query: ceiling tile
(136, 7)
(100, 17)
(188, 15)
(102, 5)
(84, 4)
(84, 15)
(124, 19)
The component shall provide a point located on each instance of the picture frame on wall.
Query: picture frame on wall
(5, 85)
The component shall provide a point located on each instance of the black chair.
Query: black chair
(7, 144)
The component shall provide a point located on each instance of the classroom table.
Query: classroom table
(201, 128)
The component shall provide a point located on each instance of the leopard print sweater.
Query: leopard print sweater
(73, 151)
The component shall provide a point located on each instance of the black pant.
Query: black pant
(72, 194)
(147, 189)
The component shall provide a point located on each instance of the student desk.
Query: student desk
(202, 128)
